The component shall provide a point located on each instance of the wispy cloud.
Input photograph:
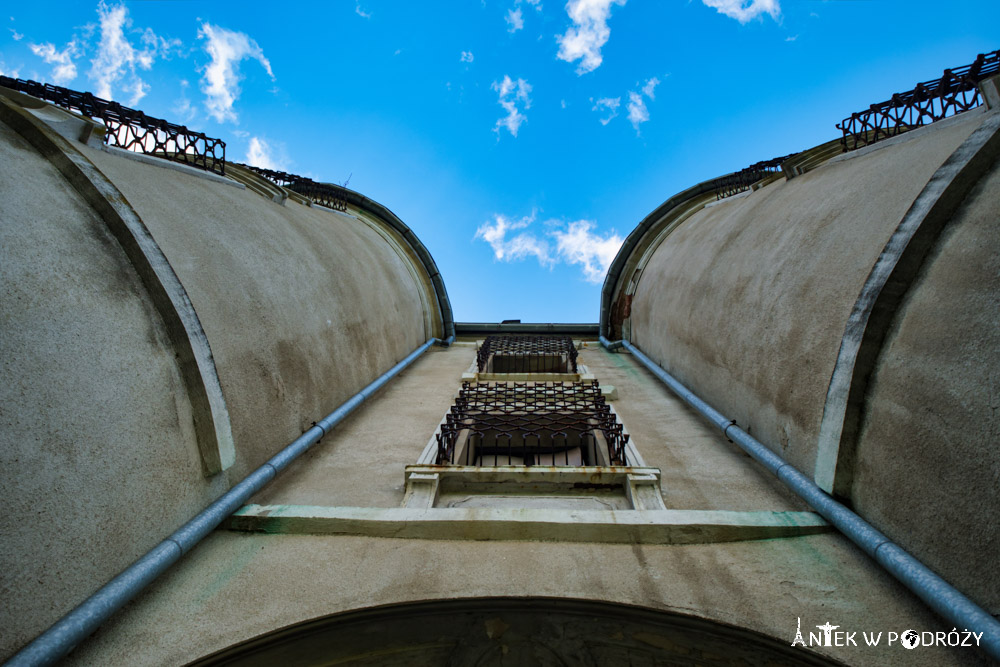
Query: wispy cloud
(16, 35)
(637, 111)
(607, 105)
(519, 246)
(261, 154)
(572, 243)
(12, 73)
(745, 10)
(650, 87)
(512, 93)
(792, 38)
(514, 20)
(466, 57)
(221, 81)
(65, 69)
(360, 12)
(117, 61)
(589, 32)
(594, 253)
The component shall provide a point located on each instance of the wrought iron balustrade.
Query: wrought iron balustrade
(743, 180)
(527, 354)
(956, 91)
(323, 194)
(131, 129)
(531, 424)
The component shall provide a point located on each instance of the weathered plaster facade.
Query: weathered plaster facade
(150, 311)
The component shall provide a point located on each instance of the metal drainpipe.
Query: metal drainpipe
(82, 621)
(941, 596)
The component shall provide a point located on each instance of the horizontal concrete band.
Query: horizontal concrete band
(452, 523)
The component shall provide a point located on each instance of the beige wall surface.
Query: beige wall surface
(928, 463)
(746, 301)
(302, 308)
(99, 455)
(235, 586)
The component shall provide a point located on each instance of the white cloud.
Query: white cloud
(117, 60)
(583, 41)
(65, 69)
(360, 12)
(637, 111)
(522, 245)
(16, 35)
(12, 73)
(579, 245)
(609, 105)
(466, 57)
(510, 93)
(261, 154)
(514, 20)
(575, 243)
(650, 86)
(745, 10)
(221, 81)
(792, 38)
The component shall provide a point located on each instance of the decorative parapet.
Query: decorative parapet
(323, 194)
(131, 129)
(956, 91)
(744, 179)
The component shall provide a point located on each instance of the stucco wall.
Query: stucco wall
(746, 301)
(302, 308)
(928, 466)
(95, 412)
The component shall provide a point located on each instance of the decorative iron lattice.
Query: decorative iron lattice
(277, 177)
(527, 354)
(131, 129)
(531, 423)
(956, 91)
(323, 194)
(743, 180)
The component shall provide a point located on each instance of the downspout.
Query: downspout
(82, 621)
(941, 596)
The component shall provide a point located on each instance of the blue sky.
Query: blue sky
(521, 139)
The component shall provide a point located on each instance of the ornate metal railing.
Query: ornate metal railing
(132, 129)
(743, 180)
(956, 91)
(527, 354)
(323, 194)
(531, 423)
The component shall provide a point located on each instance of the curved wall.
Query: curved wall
(747, 302)
(301, 307)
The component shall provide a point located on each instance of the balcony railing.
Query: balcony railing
(323, 194)
(527, 354)
(956, 91)
(531, 424)
(131, 129)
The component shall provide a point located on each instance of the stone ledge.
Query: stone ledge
(610, 526)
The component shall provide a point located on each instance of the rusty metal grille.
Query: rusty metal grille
(323, 194)
(527, 354)
(531, 424)
(743, 180)
(956, 91)
(132, 129)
